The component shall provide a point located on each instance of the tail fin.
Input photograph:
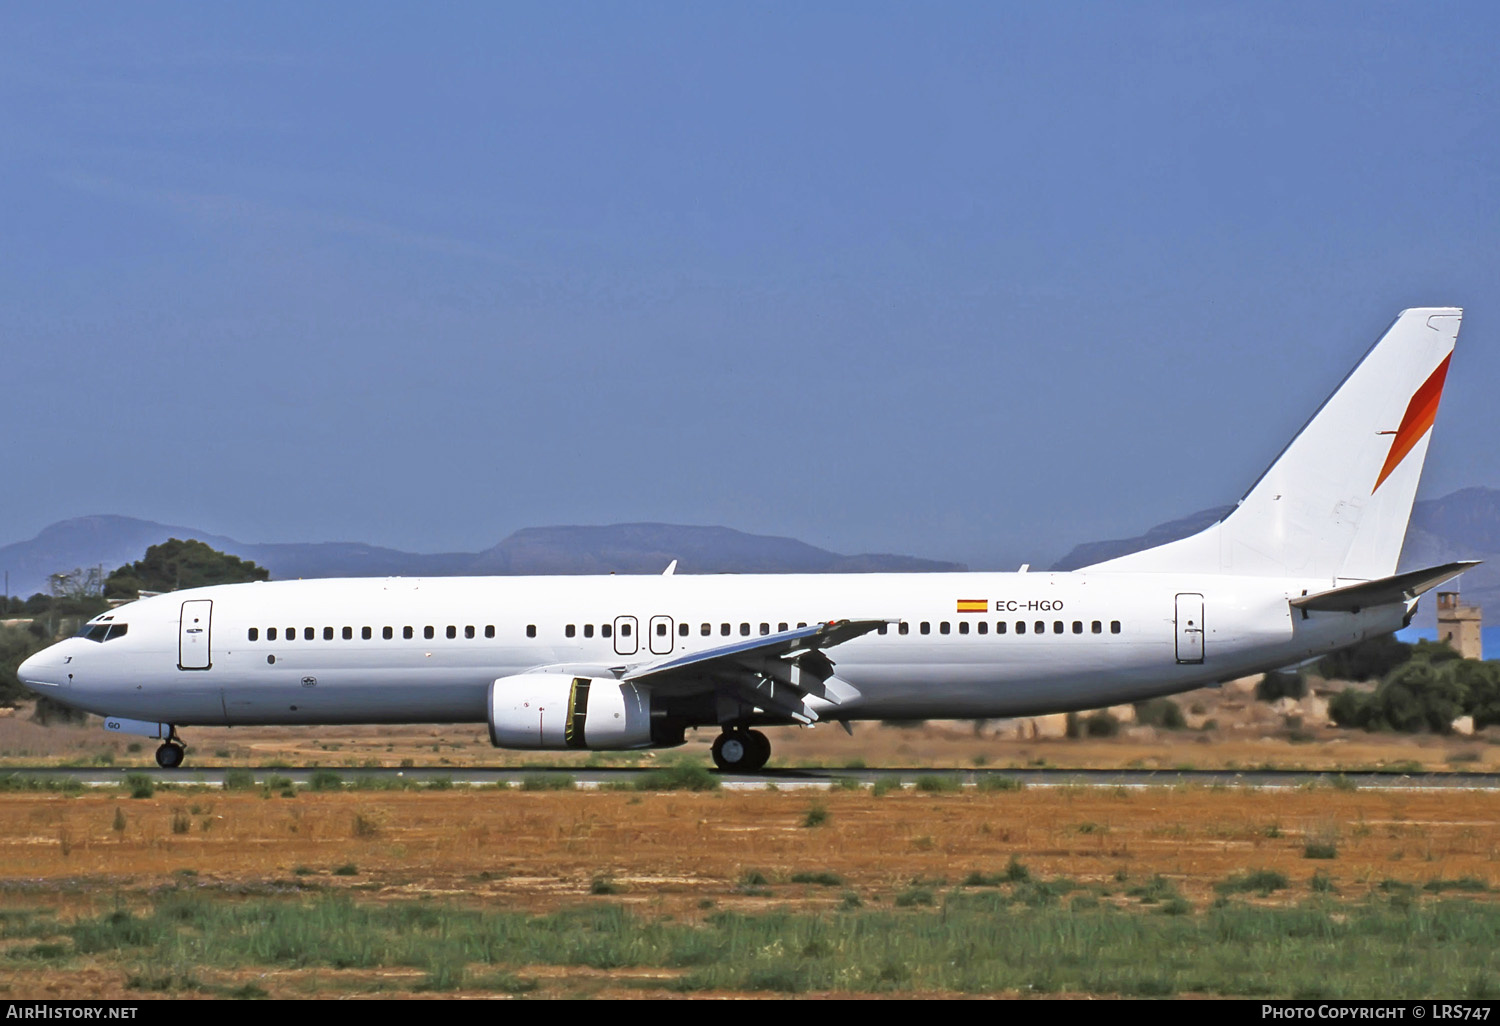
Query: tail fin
(1336, 501)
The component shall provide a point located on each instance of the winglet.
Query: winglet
(671, 568)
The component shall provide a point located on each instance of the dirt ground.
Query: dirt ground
(1227, 729)
(682, 855)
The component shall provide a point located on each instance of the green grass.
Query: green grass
(1326, 949)
(1259, 881)
(682, 775)
(934, 782)
(822, 879)
(547, 782)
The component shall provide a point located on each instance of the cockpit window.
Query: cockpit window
(103, 631)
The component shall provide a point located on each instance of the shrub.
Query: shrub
(325, 780)
(817, 815)
(238, 780)
(1278, 684)
(1263, 881)
(1096, 724)
(140, 785)
(683, 775)
(1160, 712)
(1368, 660)
(993, 782)
(933, 782)
(821, 879)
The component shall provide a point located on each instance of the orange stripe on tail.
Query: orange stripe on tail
(1420, 413)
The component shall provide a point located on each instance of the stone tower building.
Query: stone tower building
(1458, 625)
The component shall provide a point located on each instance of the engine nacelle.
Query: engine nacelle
(557, 710)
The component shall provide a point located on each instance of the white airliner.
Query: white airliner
(1304, 565)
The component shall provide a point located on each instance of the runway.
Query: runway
(546, 778)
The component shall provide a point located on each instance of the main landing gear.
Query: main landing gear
(741, 751)
(169, 755)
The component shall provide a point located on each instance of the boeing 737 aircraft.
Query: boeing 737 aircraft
(1304, 565)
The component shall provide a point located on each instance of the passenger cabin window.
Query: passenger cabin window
(983, 626)
(388, 633)
(706, 629)
(1096, 627)
(270, 633)
(309, 633)
(588, 630)
(291, 634)
(530, 630)
(1000, 626)
(943, 627)
(1057, 626)
(348, 633)
(780, 627)
(926, 627)
(661, 630)
(366, 633)
(800, 625)
(489, 630)
(1020, 626)
(744, 630)
(624, 630)
(327, 633)
(1077, 626)
(406, 633)
(605, 630)
(453, 632)
(469, 631)
(724, 629)
(903, 627)
(254, 634)
(963, 627)
(569, 631)
(682, 630)
(428, 633)
(882, 628)
(765, 629)
(1040, 627)
(1114, 626)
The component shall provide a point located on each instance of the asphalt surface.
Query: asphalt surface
(538, 778)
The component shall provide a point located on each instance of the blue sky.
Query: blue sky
(968, 281)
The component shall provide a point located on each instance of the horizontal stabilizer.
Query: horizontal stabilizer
(1387, 590)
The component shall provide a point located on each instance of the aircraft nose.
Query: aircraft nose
(37, 670)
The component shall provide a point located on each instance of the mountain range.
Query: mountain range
(1463, 525)
(113, 541)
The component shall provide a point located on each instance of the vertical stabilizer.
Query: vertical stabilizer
(1336, 501)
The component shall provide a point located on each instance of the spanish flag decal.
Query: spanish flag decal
(973, 605)
(1418, 419)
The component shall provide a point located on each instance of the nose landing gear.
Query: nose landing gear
(741, 751)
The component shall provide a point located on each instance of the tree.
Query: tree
(1370, 659)
(178, 564)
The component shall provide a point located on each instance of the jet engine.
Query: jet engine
(556, 710)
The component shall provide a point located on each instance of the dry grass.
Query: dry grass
(681, 857)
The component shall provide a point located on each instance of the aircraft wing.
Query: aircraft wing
(774, 672)
(1401, 588)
